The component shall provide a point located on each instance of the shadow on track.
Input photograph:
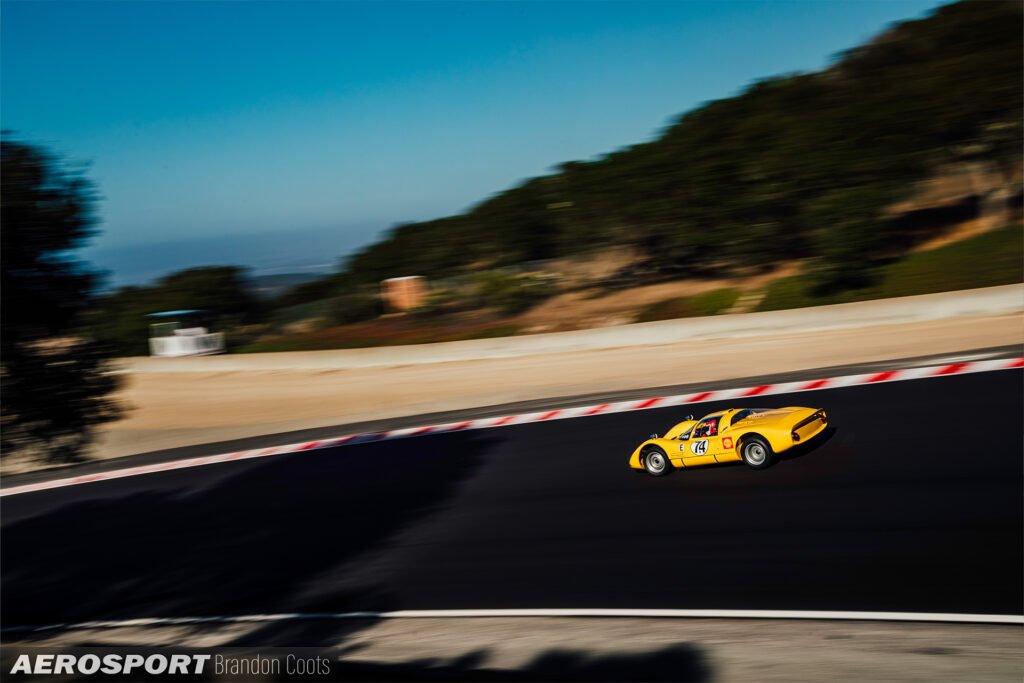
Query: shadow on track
(679, 662)
(675, 662)
(244, 539)
(808, 447)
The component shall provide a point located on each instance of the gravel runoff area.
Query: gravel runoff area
(175, 409)
(612, 648)
(187, 402)
(1006, 299)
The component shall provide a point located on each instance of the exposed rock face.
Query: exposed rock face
(990, 190)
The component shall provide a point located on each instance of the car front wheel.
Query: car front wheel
(757, 453)
(656, 462)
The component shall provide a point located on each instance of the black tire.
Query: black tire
(756, 452)
(656, 463)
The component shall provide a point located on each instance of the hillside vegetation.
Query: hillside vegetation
(995, 258)
(844, 175)
(797, 166)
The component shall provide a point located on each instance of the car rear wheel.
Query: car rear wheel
(756, 452)
(656, 462)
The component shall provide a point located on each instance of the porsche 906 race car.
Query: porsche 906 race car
(753, 435)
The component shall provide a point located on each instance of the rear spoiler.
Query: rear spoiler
(817, 415)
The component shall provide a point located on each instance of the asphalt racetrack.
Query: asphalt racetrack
(912, 502)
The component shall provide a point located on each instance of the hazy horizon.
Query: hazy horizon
(210, 128)
(316, 250)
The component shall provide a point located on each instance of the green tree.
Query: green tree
(56, 382)
(220, 290)
(223, 292)
(796, 166)
(849, 242)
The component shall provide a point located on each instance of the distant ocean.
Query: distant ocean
(286, 251)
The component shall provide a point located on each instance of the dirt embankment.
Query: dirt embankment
(186, 402)
(583, 309)
(177, 409)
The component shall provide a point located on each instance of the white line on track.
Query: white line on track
(827, 615)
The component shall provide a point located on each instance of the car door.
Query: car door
(725, 442)
(700, 448)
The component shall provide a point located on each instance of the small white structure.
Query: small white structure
(179, 334)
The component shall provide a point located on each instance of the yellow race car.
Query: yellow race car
(753, 435)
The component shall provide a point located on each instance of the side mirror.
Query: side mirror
(688, 417)
(653, 436)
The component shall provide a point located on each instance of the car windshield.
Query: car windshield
(744, 414)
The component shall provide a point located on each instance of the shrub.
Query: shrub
(439, 301)
(709, 303)
(512, 294)
(986, 260)
(353, 308)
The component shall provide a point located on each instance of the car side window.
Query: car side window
(706, 428)
(744, 414)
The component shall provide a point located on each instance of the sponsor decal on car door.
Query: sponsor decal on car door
(725, 449)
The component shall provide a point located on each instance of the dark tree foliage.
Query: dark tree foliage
(315, 290)
(55, 381)
(223, 292)
(799, 166)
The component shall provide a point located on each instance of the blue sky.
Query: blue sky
(290, 133)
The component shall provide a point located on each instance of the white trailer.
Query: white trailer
(180, 333)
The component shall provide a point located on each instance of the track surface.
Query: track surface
(912, 503)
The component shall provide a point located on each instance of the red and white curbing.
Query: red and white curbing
(541, 416)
